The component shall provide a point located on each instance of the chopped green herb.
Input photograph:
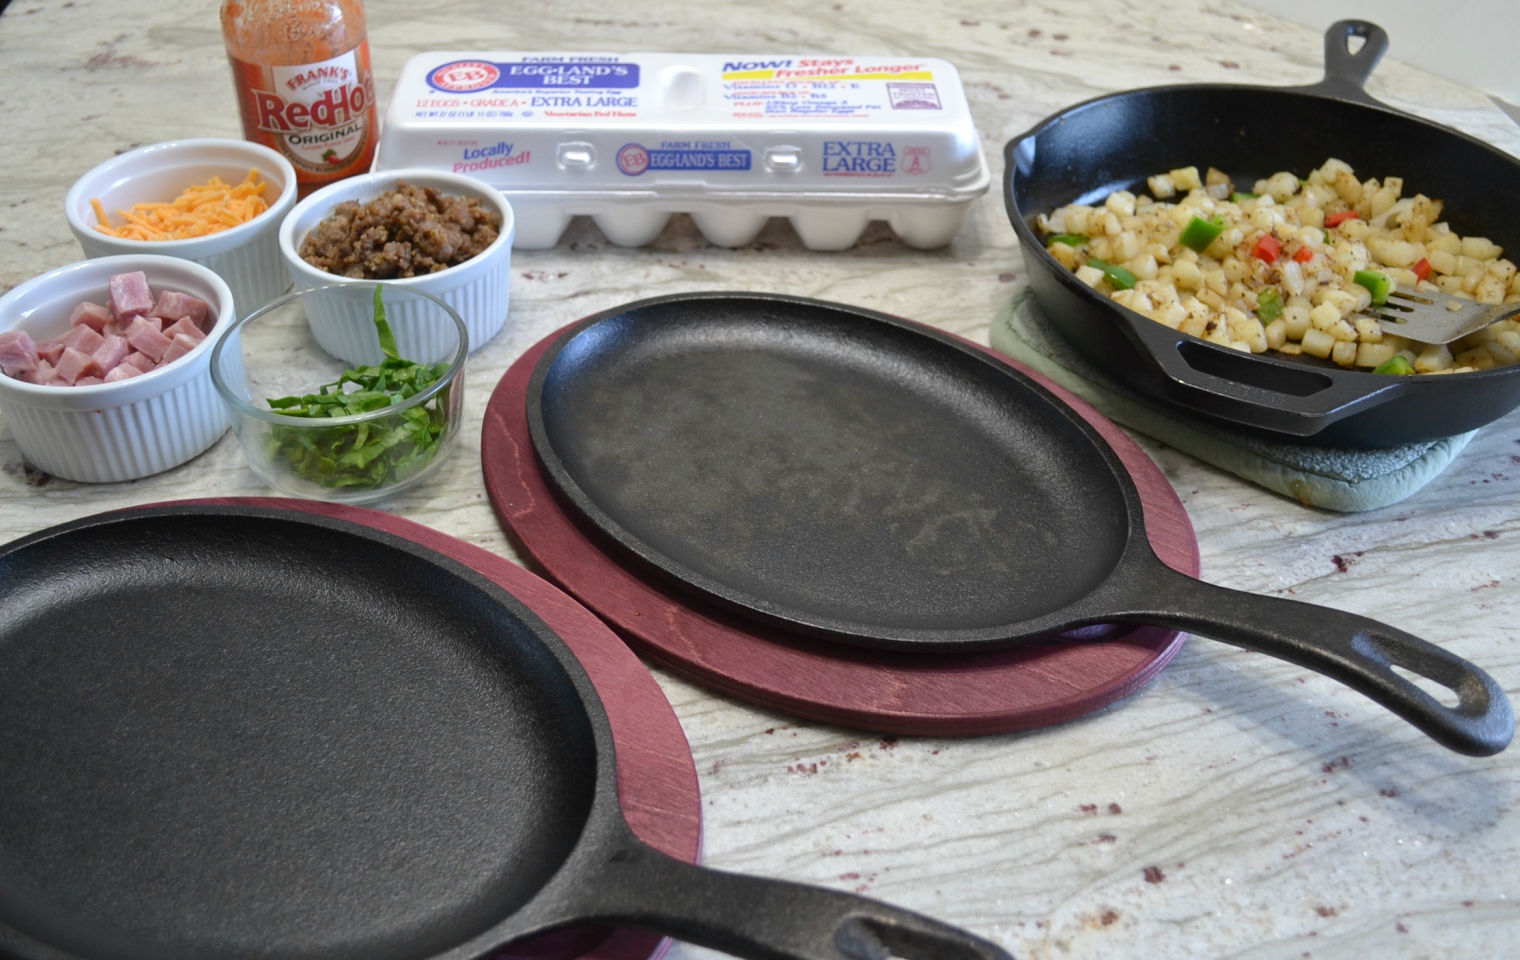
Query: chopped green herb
(1269, 304)
(1395, 364)
(1070, 239)
(1199, 233)
(374, 453)
(1377, 283)
(1241, 196)
(1118, 276)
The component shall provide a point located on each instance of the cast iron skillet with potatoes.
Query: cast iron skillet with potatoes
(1083, 154)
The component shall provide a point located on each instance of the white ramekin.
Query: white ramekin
(246, 256)
(133, 428)
(343, 322)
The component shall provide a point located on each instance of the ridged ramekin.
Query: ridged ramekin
(247, 256)
(132, 428)
(343, 324)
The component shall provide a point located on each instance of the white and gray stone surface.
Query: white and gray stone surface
(1236, 807)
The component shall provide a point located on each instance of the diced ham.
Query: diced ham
(50, 350)
(74, 365)
(18, 354)
(110, 353)
(42, 374)
(83, 339)
(92, 315)
(186, 327)
(174, 305)
(180, 346)
(146, 338)
(130, 296)
(122, 371)
(130, 336)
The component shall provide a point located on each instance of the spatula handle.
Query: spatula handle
(765, 919)
(1358, 651)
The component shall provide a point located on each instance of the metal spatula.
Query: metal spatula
(1436, 317)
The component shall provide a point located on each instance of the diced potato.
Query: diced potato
(1369, 330)
(1480, 248)
(1186, 178)
(1143, 267)
(1065, 255)
(1277, 334)
(1172, 314)
(1343, 353)
(1325, 316)
(1127, 246)
(1189, 277)
(1077, 218)
(1318, 343)
(1281, 186)
(1296, 320)
(1434, 357)
(1163, 187)
(1348, 186)
(1489, 289)
(1091, 276)
(1343, 332)
(1373, 354)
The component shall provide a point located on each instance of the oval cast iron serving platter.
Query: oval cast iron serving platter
(304, 739)
(656, 777)
(911, 693)
(1089, 150)
(854, 477)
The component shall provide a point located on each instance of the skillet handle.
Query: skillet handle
(762, 919)
(1257, 391)
(1346, 73)
(1358, 651)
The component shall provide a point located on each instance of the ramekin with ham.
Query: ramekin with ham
(133, 333)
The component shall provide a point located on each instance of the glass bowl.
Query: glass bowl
(353, 457)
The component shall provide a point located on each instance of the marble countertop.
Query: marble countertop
(1235, 807)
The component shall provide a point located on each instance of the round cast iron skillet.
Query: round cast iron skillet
(237, 733)
(1082, 154)
(852, 476)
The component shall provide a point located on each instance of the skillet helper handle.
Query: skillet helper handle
(762, 919)
(1358, 651)
(1255, 391)
(1346, 73)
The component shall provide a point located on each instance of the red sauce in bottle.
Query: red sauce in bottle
(304, 85)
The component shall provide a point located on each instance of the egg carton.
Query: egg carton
(831, 143)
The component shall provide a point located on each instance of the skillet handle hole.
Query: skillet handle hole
(1241, 368)
(866, 938)
(1354, 43)
(1443, 694)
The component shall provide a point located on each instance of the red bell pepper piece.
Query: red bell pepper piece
(1336, 219)
(1303, 255)
(1422, 269)
(1267, 248)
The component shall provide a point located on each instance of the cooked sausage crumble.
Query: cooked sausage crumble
(407, 232)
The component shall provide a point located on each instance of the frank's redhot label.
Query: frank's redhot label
(321, 116)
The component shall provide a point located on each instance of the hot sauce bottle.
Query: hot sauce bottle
(304, 86)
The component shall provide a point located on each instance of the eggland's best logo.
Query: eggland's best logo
(462, 76)
(633, 159)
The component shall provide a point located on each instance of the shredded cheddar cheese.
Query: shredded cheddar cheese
(202, 209)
